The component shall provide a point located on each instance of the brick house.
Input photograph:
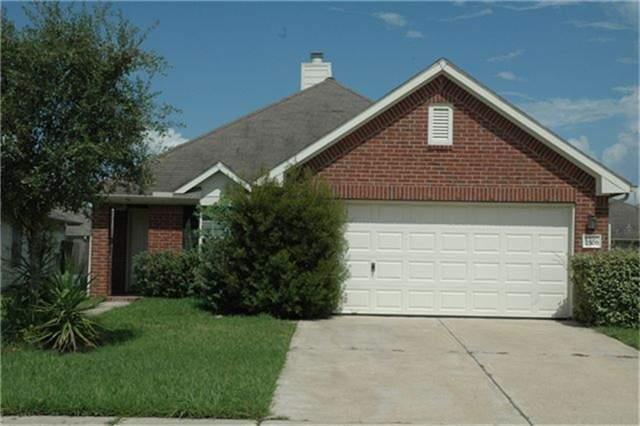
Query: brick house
(458, 203)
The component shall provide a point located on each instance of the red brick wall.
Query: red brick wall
(165, 228)
(100, 251)
(490, 160)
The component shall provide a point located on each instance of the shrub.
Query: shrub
(607, 287)
(63, 325)
(23, 293)
(279, 249)
(165, 273)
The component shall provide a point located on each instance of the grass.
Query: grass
(164, 358)
(628, 336)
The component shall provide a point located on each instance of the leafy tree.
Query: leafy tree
(77, 104)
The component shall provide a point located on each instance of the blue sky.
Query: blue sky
(573, 66)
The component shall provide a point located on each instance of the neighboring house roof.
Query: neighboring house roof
(607, 181)
(65, 217)
(624, 218)
(259, 141)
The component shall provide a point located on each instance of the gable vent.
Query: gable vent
(440, 125)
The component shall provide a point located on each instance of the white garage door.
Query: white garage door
(458, 259)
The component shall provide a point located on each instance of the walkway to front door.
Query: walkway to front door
(454, 370)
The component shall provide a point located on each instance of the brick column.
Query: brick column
(100, 251)
(165, 228)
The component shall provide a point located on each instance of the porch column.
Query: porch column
(100, 251)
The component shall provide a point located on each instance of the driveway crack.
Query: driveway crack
(486, 373)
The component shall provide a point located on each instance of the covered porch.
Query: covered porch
(120, 231)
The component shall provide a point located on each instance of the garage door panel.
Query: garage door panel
(486, 243)
(389, 270)
(421, 301)
(453, 242)
(421, 271)
(519, 243)
(389, 300)
(453, 271)
(453, 301)
(486, 301)
(486, 271)
(389, 241)
(422, 241)
(356, 300)
(457, 259)
(359, 270)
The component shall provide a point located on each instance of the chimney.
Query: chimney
(314, 72)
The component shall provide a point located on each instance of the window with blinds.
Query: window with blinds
(440, 125)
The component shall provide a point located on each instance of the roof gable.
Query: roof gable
(607, 182)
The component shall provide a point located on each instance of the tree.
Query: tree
(77, 103)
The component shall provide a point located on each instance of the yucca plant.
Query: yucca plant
(65, 327)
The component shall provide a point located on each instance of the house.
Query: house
(458, 202)
(14, 244)
(624, 218)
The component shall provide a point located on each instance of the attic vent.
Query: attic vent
(440, 125)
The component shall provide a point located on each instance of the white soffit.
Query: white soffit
(607, 181)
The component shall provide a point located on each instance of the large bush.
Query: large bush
(607, 287)
(165, 273)
(278, 249)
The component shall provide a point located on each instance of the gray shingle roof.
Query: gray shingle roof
(263, 139)
(624, 218)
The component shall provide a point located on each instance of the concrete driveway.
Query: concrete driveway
(451, 370)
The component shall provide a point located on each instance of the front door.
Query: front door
(119, 253)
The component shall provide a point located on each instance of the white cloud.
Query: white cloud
(518, 95)
(391, 18)
(414, 34)
(582, 143)
(541, 5)
(561, 112)
(628, 60)
(159, 142)
(603, 25)
(507, 75)
(507, 56)
(622, 155)
(625, 89)
(626, 11)
(472, 15)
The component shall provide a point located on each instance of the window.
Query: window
(440, 125)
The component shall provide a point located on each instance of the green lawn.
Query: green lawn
(628, 336)
(165, 358)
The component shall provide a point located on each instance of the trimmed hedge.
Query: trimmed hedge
(607, 287)
(166, 273)
(278, 249)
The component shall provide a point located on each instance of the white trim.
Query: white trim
(218, 167)
(607, 181)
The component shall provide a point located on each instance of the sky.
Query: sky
(572, 66)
